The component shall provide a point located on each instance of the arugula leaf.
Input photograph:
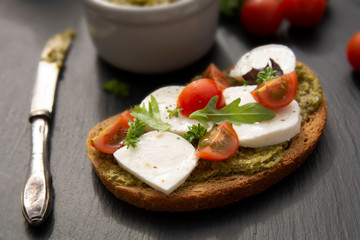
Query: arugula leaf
(175, 112)
(119, 89)
(195, 132)
(151, 117)
(233, 113)
(134, 132)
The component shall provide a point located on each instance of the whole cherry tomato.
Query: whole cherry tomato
(353, 51)
(196, 95)
(304, 13)
(262, 17)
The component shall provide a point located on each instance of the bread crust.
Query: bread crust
(217, 191)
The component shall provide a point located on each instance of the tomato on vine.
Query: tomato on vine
(353, 51)
(262, 17)
(304, 13)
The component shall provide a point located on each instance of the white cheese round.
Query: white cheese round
(259, 57)
(163, 160)
(285, 125)
(167, 98)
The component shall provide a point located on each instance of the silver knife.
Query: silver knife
(36, 199)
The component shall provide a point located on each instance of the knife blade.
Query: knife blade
(36, 199)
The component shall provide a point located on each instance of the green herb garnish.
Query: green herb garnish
(233, 113)
(151, 117)
(136, 129)
(119, 89)
(195, 132)
(175, 112)
(265, 75)
(230, 8)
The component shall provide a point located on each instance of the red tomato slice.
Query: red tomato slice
(196, 95)
(112, 138)
(220, 143)
(217, 75)
(277, 92)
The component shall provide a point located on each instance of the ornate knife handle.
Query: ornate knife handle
(36, 198)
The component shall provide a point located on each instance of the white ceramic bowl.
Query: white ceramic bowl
(152, 39)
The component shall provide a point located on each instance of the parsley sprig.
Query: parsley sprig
(195, 132)
(135, 130)
(265, 75)
(175, 112)
(119, 89)
(233, 113)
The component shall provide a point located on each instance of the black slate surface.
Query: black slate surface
(318, 201)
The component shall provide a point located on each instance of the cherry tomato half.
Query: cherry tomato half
(277, 92)
(261, 17)
(353, 51)
(196, 95)
(112, 138)
(304, 13)
(214, 73)
(219, 143)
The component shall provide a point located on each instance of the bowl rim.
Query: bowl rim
(105, 5)
(139, 15)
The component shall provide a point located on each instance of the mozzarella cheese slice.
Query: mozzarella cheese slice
(285, 125)
(163, 160)
(167, 100)
(259, 57)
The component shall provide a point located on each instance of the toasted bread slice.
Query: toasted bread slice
(217, 191)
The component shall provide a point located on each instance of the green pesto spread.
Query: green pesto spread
(309, 93)
(142, 2)
(246, 161)
(57, 47)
